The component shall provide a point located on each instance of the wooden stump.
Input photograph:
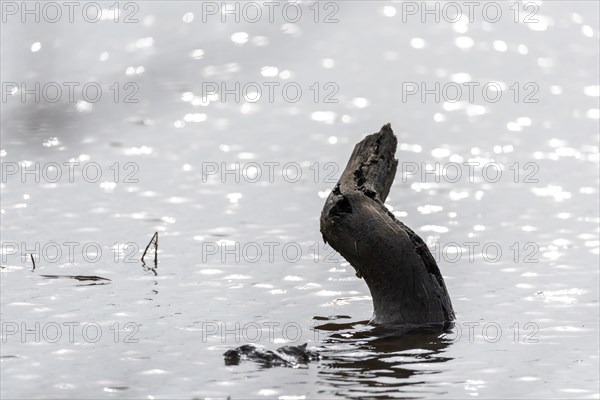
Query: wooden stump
(403, 277)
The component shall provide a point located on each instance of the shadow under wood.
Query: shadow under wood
(98, 280)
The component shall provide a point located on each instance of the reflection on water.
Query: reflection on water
(362, 360)
(527, 315)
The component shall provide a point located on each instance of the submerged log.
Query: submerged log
(404, 280)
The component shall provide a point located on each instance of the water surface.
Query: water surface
(527, 318)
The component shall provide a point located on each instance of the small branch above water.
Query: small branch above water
(154, 240)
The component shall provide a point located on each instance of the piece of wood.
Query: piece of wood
(404, 280)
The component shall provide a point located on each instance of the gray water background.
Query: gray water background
(368, 54)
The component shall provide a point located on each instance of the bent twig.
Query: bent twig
(154, 240)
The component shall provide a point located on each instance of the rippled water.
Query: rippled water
(527, 318)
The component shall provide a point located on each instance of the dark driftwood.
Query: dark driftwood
(403, 277)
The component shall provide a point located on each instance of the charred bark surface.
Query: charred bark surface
(403, 277)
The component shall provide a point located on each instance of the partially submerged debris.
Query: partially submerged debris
(81, 278)
(404, 280)
(286, 356)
